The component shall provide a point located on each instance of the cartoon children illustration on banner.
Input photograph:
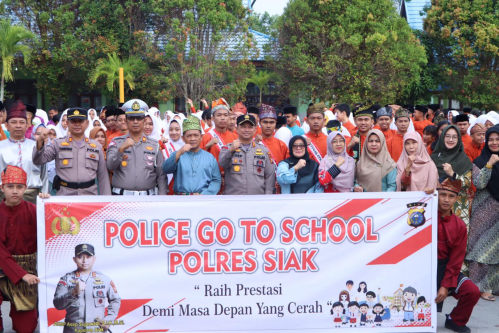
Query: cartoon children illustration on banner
(361, 307)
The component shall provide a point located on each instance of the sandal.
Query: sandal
(488, 297)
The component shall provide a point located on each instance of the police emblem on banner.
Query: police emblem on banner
(65, 224)
(416, 217)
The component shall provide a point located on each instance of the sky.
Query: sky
(273, 7)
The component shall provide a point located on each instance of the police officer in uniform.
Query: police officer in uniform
(135, 160)
(247, 164)
(83, 293)
(79, 161)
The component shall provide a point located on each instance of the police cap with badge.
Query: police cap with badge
(77, 114)
(84, 248)
(246, 118)
(135, 108)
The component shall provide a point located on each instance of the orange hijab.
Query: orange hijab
(93, 134)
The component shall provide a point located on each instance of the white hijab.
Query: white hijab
(91, 125)
(156, 126)
(167, 117)
(154, 111)
(482, 119)
(90, 120)
(284, 134)
(493, 117)
(59, 130)
(43, 115)
(180, 142)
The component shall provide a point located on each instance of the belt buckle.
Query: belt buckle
(116, 190)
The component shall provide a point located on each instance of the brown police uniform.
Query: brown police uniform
(248, 170)
(79, 165)
(138, 168)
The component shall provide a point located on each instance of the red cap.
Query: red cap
(16, 110)
(14, 175)
(451, 185)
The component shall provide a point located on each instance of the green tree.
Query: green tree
(11, 39)
(203, 47)
(348, 50)
(431, 78)
(264, 23)
(466, 34)
(73, 35)
(109, 69)
(261, 79)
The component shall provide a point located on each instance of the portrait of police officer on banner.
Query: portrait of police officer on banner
(85, 294)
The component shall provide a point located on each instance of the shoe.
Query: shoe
(488, 297)
(450, 324)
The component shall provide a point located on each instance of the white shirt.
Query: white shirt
(9, 155)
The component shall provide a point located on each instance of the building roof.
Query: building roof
(412, 11)
(232, 46)
(262, 44)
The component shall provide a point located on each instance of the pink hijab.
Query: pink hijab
(344, 181)
(424, 173)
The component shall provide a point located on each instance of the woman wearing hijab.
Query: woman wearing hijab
(440, 128)
(152, 127)
(93, 124)
(50, 166)
(62, 126)
(167, 117)
(36, 131)
(452, 162)
(375, 171)
(492, 119)
(483, 238)
(337, 168)
(298, 173)
(451, 116)
(173, 143)
(415, 168)
(99, 134)
(52, 132)
(92, 115)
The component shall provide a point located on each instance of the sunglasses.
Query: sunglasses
(135, 118)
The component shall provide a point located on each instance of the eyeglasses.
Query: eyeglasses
(299, 146)
(135, 118)
(451, 137)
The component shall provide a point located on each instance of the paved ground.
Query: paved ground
(485, 317)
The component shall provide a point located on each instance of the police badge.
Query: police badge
(135, 106)
(416, 212)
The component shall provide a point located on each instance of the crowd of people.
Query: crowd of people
(239, 150)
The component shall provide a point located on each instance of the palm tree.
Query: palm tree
(109, 68)
(261, 80)
(10, 38)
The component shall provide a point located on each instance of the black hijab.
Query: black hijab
(309, 174)
(456, 157)
(439, 125)
(480, 161)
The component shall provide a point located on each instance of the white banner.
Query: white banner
(304, 263)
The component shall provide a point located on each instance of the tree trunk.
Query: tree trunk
(2, 86)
